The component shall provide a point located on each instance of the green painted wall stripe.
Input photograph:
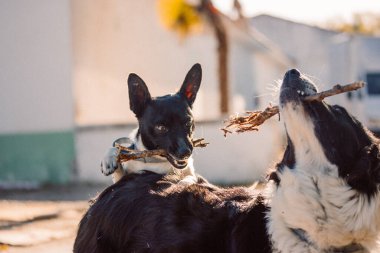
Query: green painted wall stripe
(37, 157)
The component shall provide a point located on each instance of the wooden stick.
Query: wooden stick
(249, 122)
(131, 154)
(199, 143)
(337, 89)
(252, 120)
(136, 154)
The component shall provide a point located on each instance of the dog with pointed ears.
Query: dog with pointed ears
(322, 197)
(164, 122)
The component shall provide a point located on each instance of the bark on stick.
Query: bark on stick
(252, 120)
(127, 154)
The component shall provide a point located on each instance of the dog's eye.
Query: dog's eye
(161, 129)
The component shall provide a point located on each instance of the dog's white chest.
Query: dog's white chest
(323, 206)
(138, 166)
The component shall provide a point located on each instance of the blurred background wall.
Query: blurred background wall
(332, 57)
(64, 98)
(113, 38)
(37, 104)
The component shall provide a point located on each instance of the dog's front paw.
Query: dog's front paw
(109, 163)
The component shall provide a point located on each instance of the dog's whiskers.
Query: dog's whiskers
(264, 95)
(274, 86)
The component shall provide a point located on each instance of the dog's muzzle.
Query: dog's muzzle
(176, 162)
(180, 153)
(295, 86)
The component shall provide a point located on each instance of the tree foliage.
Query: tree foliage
(367, 23)
(179, 16)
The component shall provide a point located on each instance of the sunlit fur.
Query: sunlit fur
(152, 213)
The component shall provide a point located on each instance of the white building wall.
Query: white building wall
(269, 75)
(351, 58)
(115, 38)
(344, 62)
(36, 99)
(368, 54)
(239, 158)
(308, 46)
(329, 58)
(35, 60)
(243, 80)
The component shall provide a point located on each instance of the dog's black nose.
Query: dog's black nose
(183, 152)
(182, 149)
(293, 73)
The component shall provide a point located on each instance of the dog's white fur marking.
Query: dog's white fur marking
(162, 167)
(312, 197)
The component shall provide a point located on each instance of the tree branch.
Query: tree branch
(126, 154)
(337, 89)
(220, 31)
(252, 120)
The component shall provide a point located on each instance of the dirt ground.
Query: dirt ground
(43, 220)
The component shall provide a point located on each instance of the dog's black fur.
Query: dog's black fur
(151, 213)
(166, 122)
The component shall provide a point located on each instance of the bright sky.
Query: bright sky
(307, 11)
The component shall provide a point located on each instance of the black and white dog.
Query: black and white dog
(322, 197)
(164, 122)
(327, 195)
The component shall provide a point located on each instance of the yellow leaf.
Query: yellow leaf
(3, 247)
(179, 16)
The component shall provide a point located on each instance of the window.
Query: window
(373, 83)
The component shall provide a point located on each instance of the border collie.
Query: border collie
(322, 197)
(327, 194)
(164, 122)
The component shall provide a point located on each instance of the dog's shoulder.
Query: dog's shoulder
(149, 200)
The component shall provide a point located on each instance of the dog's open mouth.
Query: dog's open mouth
(295, 86)
(177, 163)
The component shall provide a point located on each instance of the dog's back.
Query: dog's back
(153, 213)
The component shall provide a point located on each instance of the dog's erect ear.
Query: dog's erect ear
(139, 95)
(191, 84)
